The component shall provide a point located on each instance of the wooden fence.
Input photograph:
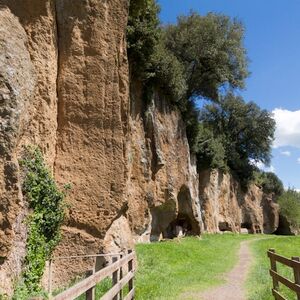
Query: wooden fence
(115, 270)
(293, 263)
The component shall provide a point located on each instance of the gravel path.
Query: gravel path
(233, 289)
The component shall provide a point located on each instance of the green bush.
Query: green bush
(46, 204)
(237, 133)
(289, 203)
(269, 182)
(143, 35)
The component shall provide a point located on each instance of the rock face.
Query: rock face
(64, 72)
(64, 86)
(226, 207)
(92, 118)
(17, 84)
(285, 227)
(162, 184)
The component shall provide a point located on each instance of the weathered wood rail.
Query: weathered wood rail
(293, 263)
(115, 270)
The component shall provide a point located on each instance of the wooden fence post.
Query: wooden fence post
(120, 277)
(90, 294)
(130, 268)
(274, 268)
(297, 273)
(50, 279)
(115, 278)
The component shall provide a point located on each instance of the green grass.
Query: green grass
(259, 283)
(101, 288)
(167, 269)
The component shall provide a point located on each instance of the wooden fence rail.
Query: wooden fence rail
(115, 270)
(293, 263)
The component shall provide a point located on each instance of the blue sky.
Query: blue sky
(272, 39)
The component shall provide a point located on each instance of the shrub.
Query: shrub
(289, 203)
(269, 182)
(143, 35)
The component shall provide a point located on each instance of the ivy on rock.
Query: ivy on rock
(47, 210)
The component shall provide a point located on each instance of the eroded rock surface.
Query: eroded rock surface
(226, 207)
(64, 86)
(17, 83)
(162, 186)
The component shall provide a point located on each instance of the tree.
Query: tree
(143, 34)
(245, 131)
(269, 182)
(211, 51)
(289, 204)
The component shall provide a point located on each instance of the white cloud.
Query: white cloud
(286, 153)
(263, 167)
(258, 164)
(269, 169)
(287, 128)
(298, 160)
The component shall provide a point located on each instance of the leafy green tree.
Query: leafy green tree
(269, 182)
(246, 132)
(211, 50)
(210, 149)
(289, 203)
(143, 34)
(165, 72)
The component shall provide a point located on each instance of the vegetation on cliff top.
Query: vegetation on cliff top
(202, 58)
(46, 215)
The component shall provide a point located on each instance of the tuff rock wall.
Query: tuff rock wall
(226, 207)
(65, 87)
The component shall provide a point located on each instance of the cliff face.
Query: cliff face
(226, 207)
(17, 84)
(64, 86)
(162, 184)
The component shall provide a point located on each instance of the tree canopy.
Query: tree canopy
(234, 134)
(211, 50)
(269, 182)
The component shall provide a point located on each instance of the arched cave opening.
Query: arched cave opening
(246, 227)
(181, 226)
(224, 226)
(185, 223)
(284, 227)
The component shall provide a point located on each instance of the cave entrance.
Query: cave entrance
(185, 223)
(224, 226)
(284, 228)
(180, 227)
(246, 225)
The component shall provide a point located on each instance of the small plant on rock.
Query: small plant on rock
(46, 205)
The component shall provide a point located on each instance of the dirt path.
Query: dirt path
(233, 289)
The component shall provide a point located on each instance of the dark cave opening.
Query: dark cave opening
(224, 226)
(182, 226)
(284, 227)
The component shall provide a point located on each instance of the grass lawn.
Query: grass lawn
(167, 269)
(259, 284)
